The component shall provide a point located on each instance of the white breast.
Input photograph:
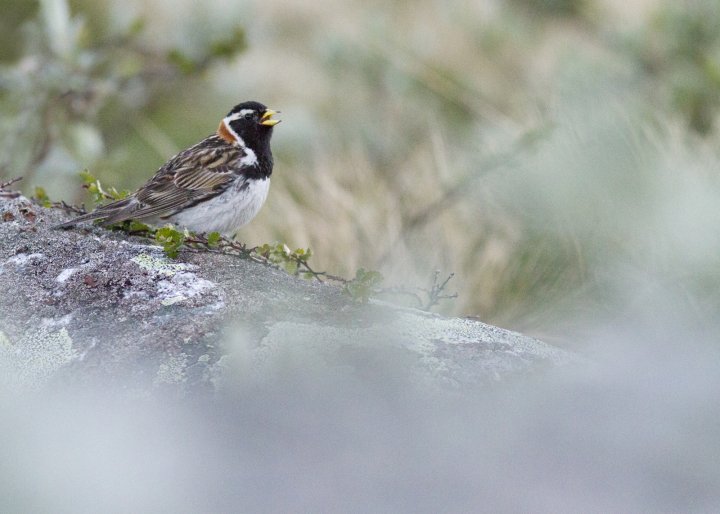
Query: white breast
(228, 211)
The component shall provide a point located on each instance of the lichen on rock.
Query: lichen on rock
(110, 306)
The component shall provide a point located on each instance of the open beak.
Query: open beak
(267, 118)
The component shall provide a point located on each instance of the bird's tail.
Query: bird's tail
(110, 213)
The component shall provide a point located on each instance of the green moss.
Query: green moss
(159, 265)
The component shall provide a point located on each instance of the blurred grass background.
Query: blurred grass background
(560, 156)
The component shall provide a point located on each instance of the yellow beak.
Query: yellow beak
(267, 118)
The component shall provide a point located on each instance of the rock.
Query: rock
(89, 303)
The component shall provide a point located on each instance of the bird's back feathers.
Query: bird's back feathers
(196, 174)
(226, 172)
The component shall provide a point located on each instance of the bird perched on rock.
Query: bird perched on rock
(217, 185)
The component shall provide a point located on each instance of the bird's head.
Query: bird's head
(247, 124)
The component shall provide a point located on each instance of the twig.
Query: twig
(435, 292)
(402, 291)
(276, 256)
(101, 192)
(76, 209)
(7, 193)
(5, 185)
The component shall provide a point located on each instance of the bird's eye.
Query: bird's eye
(249, 116)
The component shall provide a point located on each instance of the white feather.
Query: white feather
(228, 211)
(249, 159)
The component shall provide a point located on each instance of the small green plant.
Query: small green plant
(213, 239)
(295, 262)
(422, 298)
(281, 255)
(136, 227)
(98, 192)
(41, 197)
(363, 285)
(170, 239)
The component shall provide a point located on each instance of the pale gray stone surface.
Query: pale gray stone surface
(90, 303)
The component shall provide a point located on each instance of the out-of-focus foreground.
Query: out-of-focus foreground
(558, 156)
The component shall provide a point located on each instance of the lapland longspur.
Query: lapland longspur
(217, 185)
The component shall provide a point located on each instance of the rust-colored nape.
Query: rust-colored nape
(224, 133)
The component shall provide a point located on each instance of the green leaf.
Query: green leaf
(291, 267)
(42, 197)
(363, 285)
(371, 278)
(263, 250)
(303, 254)
(136, 226)
(95, 188)
(115, 194)
(87, 177)
(170, 239)
(213, 239)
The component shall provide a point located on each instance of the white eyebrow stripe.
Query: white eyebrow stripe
(240, 114)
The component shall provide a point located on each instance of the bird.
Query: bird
(217, 185)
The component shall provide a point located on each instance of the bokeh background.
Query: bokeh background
(559, 156)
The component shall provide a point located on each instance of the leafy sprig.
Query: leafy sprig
(170, 239)
(425, 298)
(41, 197)
(98, 192)
(5, 192)
(365, 285)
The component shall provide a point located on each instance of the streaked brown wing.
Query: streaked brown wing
(196, 174)
(180, 190)
(202, 179)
